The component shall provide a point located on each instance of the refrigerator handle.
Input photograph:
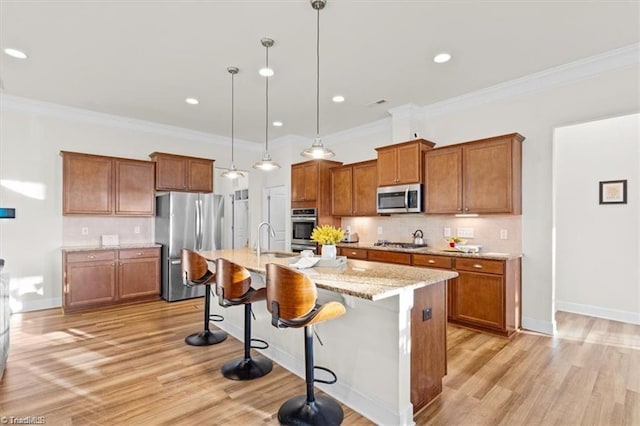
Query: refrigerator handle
(198, 225)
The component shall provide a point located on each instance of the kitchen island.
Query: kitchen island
(388, 351)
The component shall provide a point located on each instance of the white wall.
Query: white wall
(597, 268)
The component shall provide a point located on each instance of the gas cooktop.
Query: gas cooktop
(393, 244)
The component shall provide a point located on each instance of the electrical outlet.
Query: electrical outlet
(426, 314)
(447, 232)
(85, 230)
(465, 232)
(136, 230)
(348, 230)
(379, 230)
(504, 234)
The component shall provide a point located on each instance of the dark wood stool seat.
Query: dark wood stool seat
(292, 301)
(233, 287)
(195, 271)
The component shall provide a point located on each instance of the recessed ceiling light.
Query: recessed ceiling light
(441, 58)
(338, 98)
(192, 101)
(15, 53)
(278, 123)
(266, 72)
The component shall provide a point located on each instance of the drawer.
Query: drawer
(353, 253)
(432, 261)
(136, 253)
(390, 257)
(480, 265)
(91, 256)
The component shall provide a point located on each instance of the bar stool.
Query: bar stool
(291, 299)
(233, 287)
(195, 271)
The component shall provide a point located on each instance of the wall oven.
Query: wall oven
(302, 223)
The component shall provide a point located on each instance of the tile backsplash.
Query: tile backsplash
(124, 227)
(486, 230)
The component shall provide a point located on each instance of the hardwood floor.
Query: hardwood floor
(129, 365)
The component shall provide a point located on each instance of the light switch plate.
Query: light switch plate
(447, 232)
(465, 232)
(504, 234)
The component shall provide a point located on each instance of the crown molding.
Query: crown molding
(592, 66)
(17, 103)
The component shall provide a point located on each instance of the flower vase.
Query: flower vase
(329, 251)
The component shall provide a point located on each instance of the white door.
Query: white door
(274, 211)
(240, 218)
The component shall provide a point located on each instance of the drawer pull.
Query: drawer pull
(477, 266)
(139, 254)
(431, 261)
(353, 253)
(91, 256)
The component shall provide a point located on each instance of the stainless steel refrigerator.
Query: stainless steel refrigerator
(186, 220)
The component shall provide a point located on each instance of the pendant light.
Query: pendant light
(232, 172)
(317, 150)
(266, 163)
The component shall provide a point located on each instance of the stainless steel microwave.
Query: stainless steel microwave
(400, 199)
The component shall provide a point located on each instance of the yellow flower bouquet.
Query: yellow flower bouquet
(327, 234)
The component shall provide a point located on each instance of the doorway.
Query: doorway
(274, 202)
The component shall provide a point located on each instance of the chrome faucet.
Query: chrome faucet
(273, 234)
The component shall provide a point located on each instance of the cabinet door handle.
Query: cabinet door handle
(432, 261)
(477, 266)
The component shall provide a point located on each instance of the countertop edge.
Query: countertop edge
(433, 251)
(70, 249)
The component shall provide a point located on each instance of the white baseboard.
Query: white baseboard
(545, 327)
(599, 312)
(37, 305)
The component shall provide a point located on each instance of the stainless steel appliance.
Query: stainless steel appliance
(185, 220)
(400, 199)
(302, 223)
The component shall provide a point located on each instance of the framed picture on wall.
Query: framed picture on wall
(613, 192)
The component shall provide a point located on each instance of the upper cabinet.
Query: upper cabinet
(401, 163)
(311, 187)
(353, 189)
(105, 186)
(483, 176)
(181, 173)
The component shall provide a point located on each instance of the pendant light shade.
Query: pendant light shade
(317, 150)
(232, 172)
(266, 163)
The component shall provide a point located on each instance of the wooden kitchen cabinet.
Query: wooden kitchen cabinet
(311, 188)
(353, 253)
(93, 279)
(402, 163)
(353, 189)
(89, 279)
(183, 173)
(482, 176)
(486, 293)
(106, 186)
(402, 258)
(138, 273)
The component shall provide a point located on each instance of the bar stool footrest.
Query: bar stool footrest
(328, 382)
(264, 345)
(206, 338)
(324, 411)
(215, 318)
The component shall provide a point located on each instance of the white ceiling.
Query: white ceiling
(141, 59)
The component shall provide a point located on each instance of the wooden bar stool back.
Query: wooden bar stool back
(233, 287)
(195, 271)
(292, 301)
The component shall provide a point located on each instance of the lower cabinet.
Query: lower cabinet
(485, 295)
(99, 278)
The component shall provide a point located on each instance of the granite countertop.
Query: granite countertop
(434, 251)
(359, 278)
(118, 247)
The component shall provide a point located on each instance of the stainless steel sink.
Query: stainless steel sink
(277, 254)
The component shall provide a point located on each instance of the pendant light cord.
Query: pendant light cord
(266, 120)
(318, 74)
(232, 116)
